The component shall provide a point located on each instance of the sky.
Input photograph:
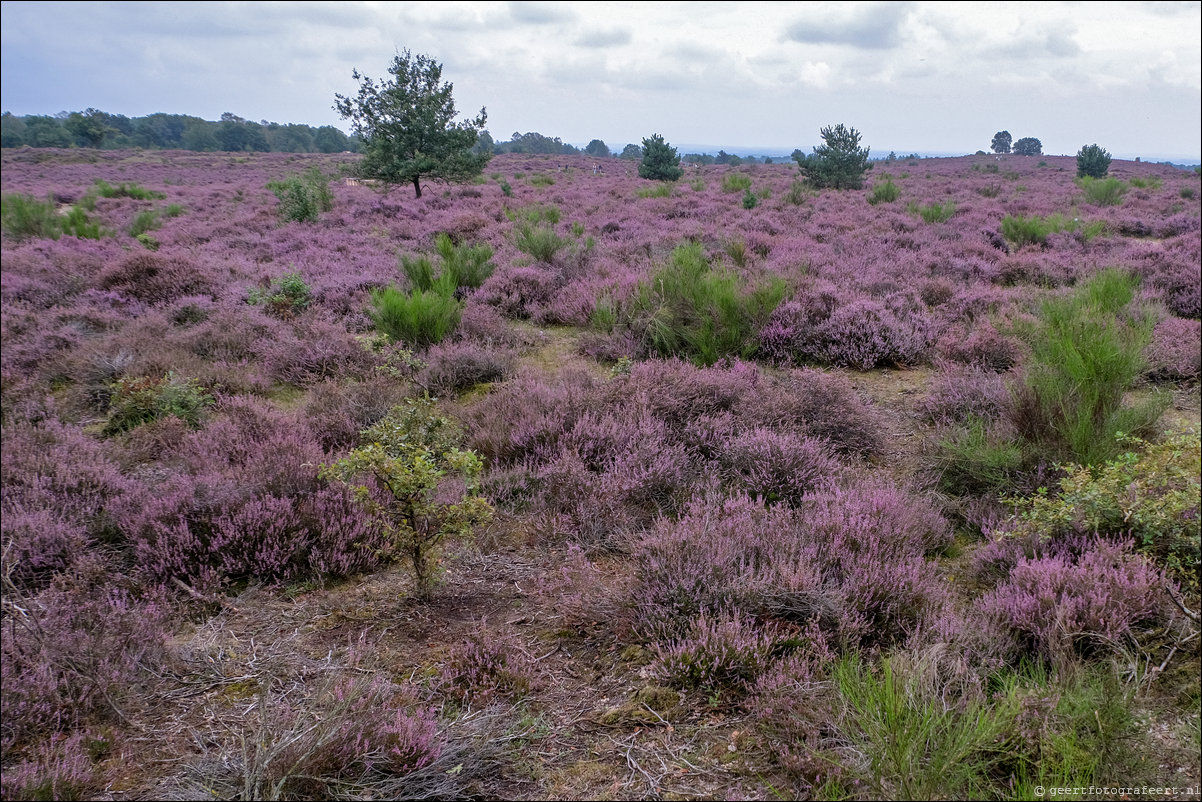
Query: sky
(935, 78)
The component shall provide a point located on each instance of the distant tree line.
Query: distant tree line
(93, 128)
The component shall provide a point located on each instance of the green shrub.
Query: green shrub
(838, 163)
(506, 190)
(25, 217)
(990, 191)
(541, 180)
(1147, 183)
(146, 220)
(468, 265)
(75, 223)
(698, 184)
(660, 160)
(148, 241)
(657, 191)
(408, 455)
(303, 197)
(284, 298)
(134, 401)
(750, 201)
(1102, 191)
(1092, 162)
(689, 309)
(126, 190)
(1086, 352)
(1035, 230)
(417, 318)
(538, 240)
(1187, 192)
(974, 459)
(736, 182)
(1149, 493)
(934, 212)
(886, 192)
(798, 193)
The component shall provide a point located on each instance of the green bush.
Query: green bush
(126, 190)
(839, 163)
(750, 201)
(468, 265)
(146, 220)
(1092, 161)
(134, 401)
(933, 212)
(418, 318)
(886, 192)
(657, 191)
(25, 217)
(538, 240)
(1149, 493)
(798, 193)
(689, 309)
(736, 182)
(1086, 352)
(303, 197)
(408, 455)
(1035, 230)
(541, 180)
(1102, 191)
(75, 223)
(1147, 183)
(284, 298)
(974, 459)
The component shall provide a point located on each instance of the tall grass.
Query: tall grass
(24, 217)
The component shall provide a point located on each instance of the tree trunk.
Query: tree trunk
(417, 187)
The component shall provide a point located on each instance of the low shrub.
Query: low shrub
(1175, 352)
(284, 297)
(659, 191)
(722, 656)
(126, 189)
(25, 217)
(1102, 191)
(481, 669)
(455, 368)
(866, 333)
(884, 191)
(139, 400)
(416, 318)
(303, 197)
(933, 212)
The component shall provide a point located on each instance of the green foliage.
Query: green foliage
(1001, 142)
(1028, 146)
(1092, 161)
(660, 161)
(407, 127)
(533, 234)
(303, 197)
(1102, 191)
(1188, 193)
(1149, 183)
(541, 180)
(418, 318)
(408, 458)
(655, 191)
(506, 190)
(884, 192)
(1034, 230)
(25, 217)
(145, 220)
(698, 184)
(974, 459)
(750, 201)
(689, 309)
(798, 193)
(917, 737)
(134, 401)
(933, 212)
(1086, 352)
(126, 190)
(1149, 493)
(840, 163)
(286, 297)
(736, 182)
(468, 265)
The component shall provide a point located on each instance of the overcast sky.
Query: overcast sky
(928, 77)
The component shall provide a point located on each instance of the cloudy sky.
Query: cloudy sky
(937, 77)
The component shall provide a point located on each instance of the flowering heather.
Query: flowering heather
(1175, 353)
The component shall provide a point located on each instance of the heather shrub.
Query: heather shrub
(719, 656)
(985, 348)
(482, 668)
(75, 653)
(457, 367)
(818, 405)
(416, 318)
(139, 400)
(1102, 191)
(1175, 351)
(959, 394)
(61, 768)
(775, 466)
(1058, 605)
(155, 279)
(303, 197)
(689, 309)
(407, 459)
(315, 348)
(519, 292)
(351, 735)
(337, 411)
(884, 191)
(1086, 351)
(284, 297)
(865, 333)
